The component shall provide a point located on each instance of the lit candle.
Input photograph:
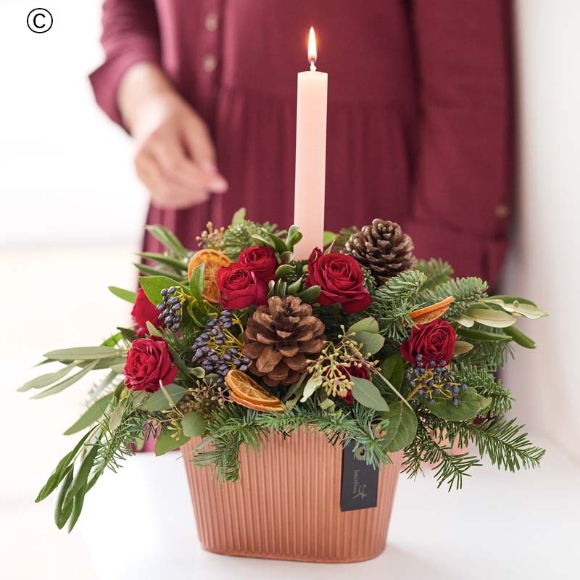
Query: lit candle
(310, 155)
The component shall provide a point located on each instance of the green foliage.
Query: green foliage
(392, 303)
(487, 386)
(436, 271)
(471, 404)
(466, 291)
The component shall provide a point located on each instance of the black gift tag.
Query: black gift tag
(360, 482)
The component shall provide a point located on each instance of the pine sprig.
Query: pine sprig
(487, 386)
(436, 270)
(392, 303)
(233, 426)
(448, 468)
(465, 291)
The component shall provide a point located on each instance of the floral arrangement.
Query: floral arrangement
(240, 340)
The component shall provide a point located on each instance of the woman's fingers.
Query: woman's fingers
(165, 192)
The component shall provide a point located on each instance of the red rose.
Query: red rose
(434, 342)
(148, 365)
(353, 371)
(144, 311)
(239, 287)
(261, 261)
(341, 280)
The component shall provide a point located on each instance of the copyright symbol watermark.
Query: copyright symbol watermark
(39, 20)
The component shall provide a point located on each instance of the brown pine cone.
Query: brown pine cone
(281, 339)
(383, 248)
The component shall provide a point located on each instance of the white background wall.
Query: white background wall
(545, 263)
(65, 173)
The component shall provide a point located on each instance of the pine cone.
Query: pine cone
(383, 248)
(281, 339)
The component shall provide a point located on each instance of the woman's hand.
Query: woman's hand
(175, 156)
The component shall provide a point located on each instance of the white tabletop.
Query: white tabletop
(139, 524)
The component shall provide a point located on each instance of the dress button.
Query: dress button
(209, 63)
(502, 211)
(211, 22)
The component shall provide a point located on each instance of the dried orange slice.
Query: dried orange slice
(430, 313)
(213, 261)
(247, 392)
(279, 408)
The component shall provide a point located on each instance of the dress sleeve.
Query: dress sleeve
(462, 189)
(130, 35)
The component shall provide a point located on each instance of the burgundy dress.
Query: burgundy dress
(419, 117)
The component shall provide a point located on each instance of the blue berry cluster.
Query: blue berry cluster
(171, 309)
(217, 351)
(432, 378)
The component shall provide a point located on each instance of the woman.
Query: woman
(419, 118)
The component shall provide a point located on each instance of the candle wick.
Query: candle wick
(312, 65)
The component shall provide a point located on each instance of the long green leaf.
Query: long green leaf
(158, 401)
(47, 379)
(92, 414)
(83, 353)
(66, 383)
(127, 295)
(148, 271)
(179, 266)
(78, 501)
(197, 282)
(60, 470)
(62, 512)
(367, 394)
(401, 428)
(168, 239)
(83, 473)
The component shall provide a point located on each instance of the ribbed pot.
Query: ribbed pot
(286, 504)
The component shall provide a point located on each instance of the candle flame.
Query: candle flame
(312, 49)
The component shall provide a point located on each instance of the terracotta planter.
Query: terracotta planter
(286, 504)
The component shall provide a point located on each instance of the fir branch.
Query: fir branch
(437, 272)
(487, 386)
(466, 291)
(392, 303)
(489, 355)
(448, 468)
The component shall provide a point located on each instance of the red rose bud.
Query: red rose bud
(262, 262)
(148, 365)
(434, 342)
(353, 371)
(239, 287)
(144, 311)
(341, 281)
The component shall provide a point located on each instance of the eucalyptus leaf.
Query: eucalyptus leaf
(365, 325)
(197, 282)
(483, 335)
(61, 514)
(152, 286)
(520, 337)
(193, 424)
(401, 428)
(127, 295)
(518, 306)
(92, 414)
(465, 321)
(328, 238)
(371, 343)
(158, 401)
(367, 394)
(471, 404)
(165, 442)
(78, 501)
(393, 369)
